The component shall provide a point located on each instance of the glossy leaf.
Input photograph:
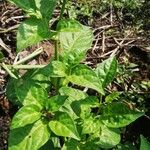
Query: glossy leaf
(105, 137)
(26, 5)
(29, 93)
(57, 69)
(69, 25)
(26, 115)
(31, 32)
(90, 125)
(54, 103)
(29, 137)
(71, 145)
(63, 125)
(45, 7)
(117, 115)
(106, 70)
(73, 95)
(145, 145)
(85, 76)
(113, 96)
(75, 40)
(82, 108)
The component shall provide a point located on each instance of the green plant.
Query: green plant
(54, 115)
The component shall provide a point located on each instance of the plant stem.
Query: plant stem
(35, 53)
(26, 66)
(8, 70)
(56, 50)
(62, 9)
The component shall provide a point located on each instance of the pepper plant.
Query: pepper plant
(54, 112)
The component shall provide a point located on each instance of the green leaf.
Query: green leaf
(57, 69)
(63, 125)
(106, 137)
(26, 5)
(90, 125)
(30, 137)
(45, 7)
(71, 145)
(112, 96)
(84, 76)
(54, 103)
(117, 115)
(1, 56)
(82, 108)
(31, 32)
(11, 91)
(75, 39)
(30, 93)
(73, 95)
(145, 145)
(26, 115)
(106, 70)
(69, 25)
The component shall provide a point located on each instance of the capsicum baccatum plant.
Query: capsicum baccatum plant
(52, 114)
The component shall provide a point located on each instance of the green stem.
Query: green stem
(56, 50)
(26, 66)
(8, 71)
(35, 53)
(62, 9)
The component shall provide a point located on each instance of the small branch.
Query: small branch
(8, 70)
(35, 53)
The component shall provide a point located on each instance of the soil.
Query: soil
(133, 48)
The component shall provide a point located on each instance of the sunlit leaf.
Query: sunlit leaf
(29, 137)
(63, 125)
(117, 115)
(106, 70)
(26, 115)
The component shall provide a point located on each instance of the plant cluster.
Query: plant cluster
(53, 113)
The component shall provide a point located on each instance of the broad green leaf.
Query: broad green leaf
(73, 95)
(111, 97)
(82, 108)
(31, 32)
(63, 125)
(106, 137)
(54, 103)
(75, 40)
(26, 5)
(85, 76)
(90, 125)
(45, 7)
(26, 115)
(145, 145)
(69, 25)
(106, 70)
(57, 69)
(117, 115)
(30, 137)
(11, 91)
(71, 145)
(29, 93)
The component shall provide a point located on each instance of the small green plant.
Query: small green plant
(54, 114)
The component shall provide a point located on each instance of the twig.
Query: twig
(103, 41)
(35, 53)
(2, 44)
(10, 29)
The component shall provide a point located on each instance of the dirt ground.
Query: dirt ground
(128, 45)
